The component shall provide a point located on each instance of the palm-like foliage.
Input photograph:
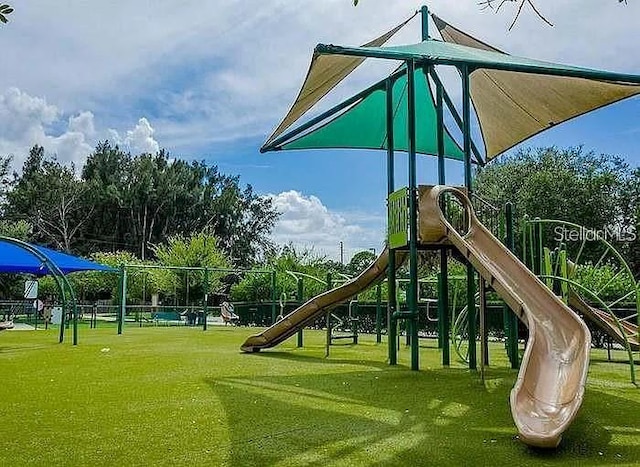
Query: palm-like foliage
(4, 11)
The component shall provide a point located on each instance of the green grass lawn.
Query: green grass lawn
(156, 396)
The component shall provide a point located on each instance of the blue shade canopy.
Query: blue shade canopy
(15, 259)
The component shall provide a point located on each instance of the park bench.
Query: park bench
(166, 318)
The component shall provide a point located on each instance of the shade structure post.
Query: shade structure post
(425, 22)
(484, 343)
(328, 318)
(123, 298)
(466, 134)
(392, 324)
(412, 299)
(299, 298)
(74, 309)
(378, 313)
(274, 296)
(205, 299)
(454, 112)
(512, 319)
(443, 277)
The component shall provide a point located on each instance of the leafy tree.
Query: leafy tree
(243, 221)
(144, 199)
(198, 250)
(566, 184)
(5, 180)
(256, 287)
(360, 261)
(106, 173)
(50, 196)
(630, 220)
(20, 230)
(97, 285)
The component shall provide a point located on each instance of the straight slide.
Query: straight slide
(319, 305)
(624, 333)
(550, 386)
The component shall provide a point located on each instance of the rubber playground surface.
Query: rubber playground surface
(178, 396)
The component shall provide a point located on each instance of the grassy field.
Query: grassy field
(158, 396)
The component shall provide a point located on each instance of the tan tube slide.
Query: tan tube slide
(623, 333)
(317, 306)
(553, 372)
(550, 386)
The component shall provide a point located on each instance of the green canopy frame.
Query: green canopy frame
(492, 78)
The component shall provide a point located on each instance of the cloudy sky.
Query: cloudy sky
(210, 80)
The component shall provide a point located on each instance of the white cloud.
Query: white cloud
(216, 71)
(83, 123)
(140, 139)
(22, 115)
(307, 223)
(27, 120)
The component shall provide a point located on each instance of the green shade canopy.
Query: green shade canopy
(364, 125)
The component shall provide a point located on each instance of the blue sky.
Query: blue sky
(210, 80)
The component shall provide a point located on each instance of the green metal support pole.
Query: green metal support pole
(299, 298)
(539, 248)
(443, 309)
(536, 247)
(412, 300)
(443, 278)
(328, 342)
(354, 322)
(512, 336)
(425, 22)
(206, 299)
(454, 114)
(483, 349)
(123, 298)
(74, 309)
(392, 325)
(484, 336)
(471, 316)
(274, 297)
(379, 313)
(64, 311)
(471, 302)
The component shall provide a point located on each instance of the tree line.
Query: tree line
(150, 208)
(600, 192)
(125, 202)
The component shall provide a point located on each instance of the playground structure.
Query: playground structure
(514, 99)
(541, 372)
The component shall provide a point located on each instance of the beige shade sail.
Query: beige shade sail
(324, 74)
(513, 106)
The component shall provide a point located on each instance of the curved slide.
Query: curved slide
(550, 386)
(317, 306)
